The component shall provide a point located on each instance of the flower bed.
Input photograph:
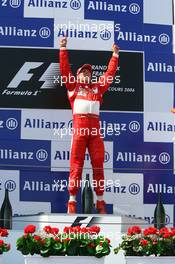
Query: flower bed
(4, 247)
(148, 242)
(73, 241)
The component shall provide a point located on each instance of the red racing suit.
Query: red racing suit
(85, 100)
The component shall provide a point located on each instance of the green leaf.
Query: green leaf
(25, 251)
(91, 251)
(45, 253)
(84, 243)
(72, 249)
(47, 242)
(99, 248)
(116, 250)
(57, 246)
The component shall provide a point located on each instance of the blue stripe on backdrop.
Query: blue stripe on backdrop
(134, 156)
(124, 10)
(46, 187)
(159, 67)
(140, 37)
(155, 182)
(35, 32)
(25, 153)
(120, 126)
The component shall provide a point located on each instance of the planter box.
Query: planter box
(63, 260)
(150, 260)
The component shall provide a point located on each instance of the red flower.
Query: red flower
(143, 242)
(150, 231)
(76, 229)
(37, 238)
(163, 230)
(54, 231)
(68, 229)
(167, 235)
(134, 230)
(173, 231)
(57, 239)
(29, 229)
(101, 244)
(108, 240)
(94, 229)
(1, 243)
(3, 232)
(47, 229)
(84, 230)
(91, 245)
(66, 239)
(43, 242)
(154, 242)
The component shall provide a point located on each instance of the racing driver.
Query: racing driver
(85, 98)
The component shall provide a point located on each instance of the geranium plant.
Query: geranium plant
(73, 241)
(4, 247)
(147, 242)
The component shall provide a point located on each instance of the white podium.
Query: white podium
(113, 227)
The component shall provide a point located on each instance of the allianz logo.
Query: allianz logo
(163, 38)
(43, 124)
(74, 4)
(64, 155)
(133, 126)
(133, 188)
(150, 219)
(11, 123)
(10, 154)
(9, 185)
(116, 189)
(14, 31)
(160, 126)
(160, 67)
(164, 157)
(81, 34)
(13, 3)
(41, 186)
(160, 188)
(133, 8)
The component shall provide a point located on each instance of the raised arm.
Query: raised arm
(67, 77)
(108, 77)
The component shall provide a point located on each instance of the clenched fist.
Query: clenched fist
(115, 48)
(63, 42)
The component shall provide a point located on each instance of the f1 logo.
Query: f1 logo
(86, 221)
(24, 74)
